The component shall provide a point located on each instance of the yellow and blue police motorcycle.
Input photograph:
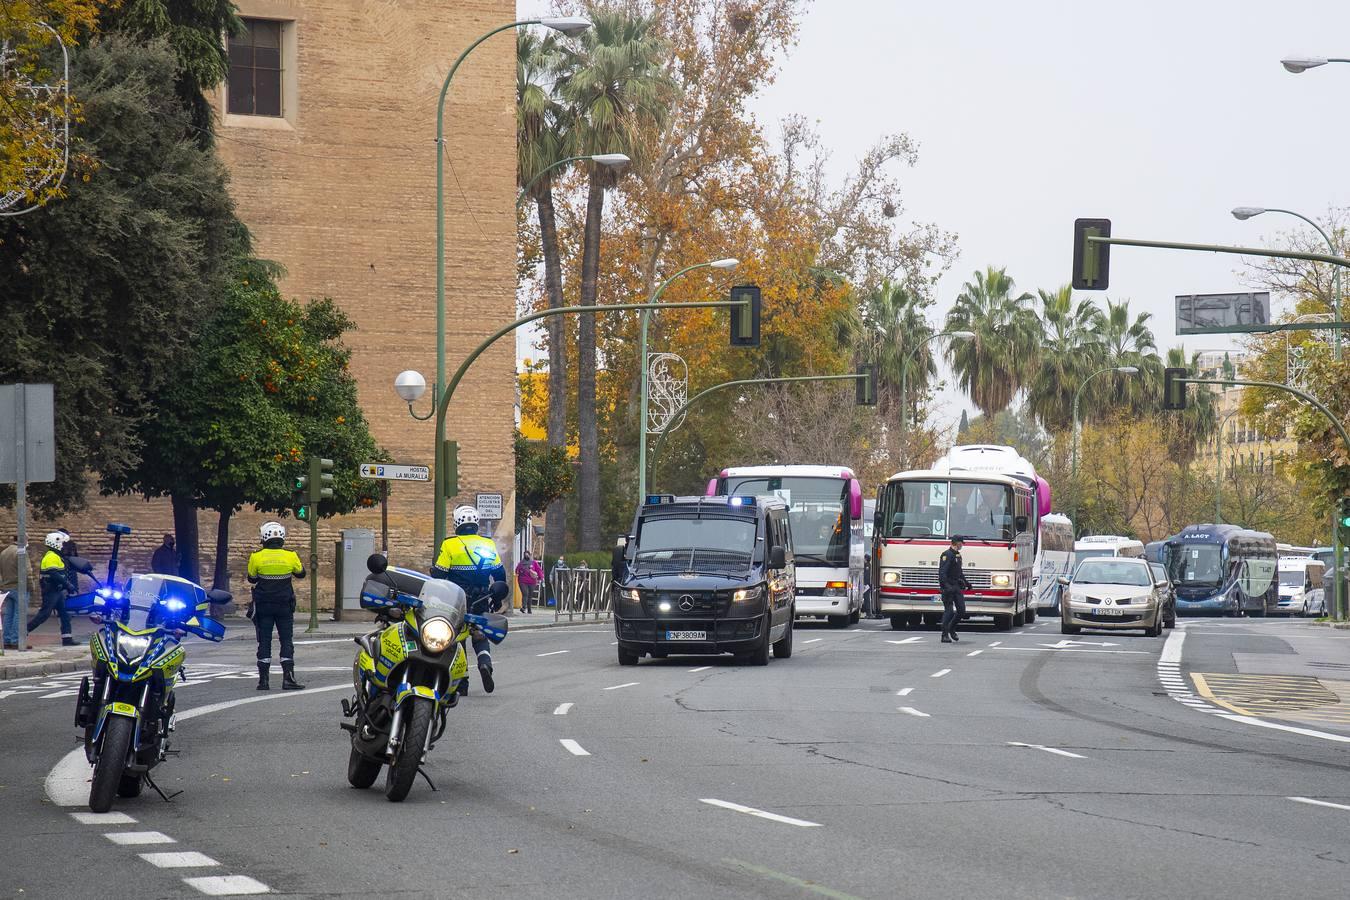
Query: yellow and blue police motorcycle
(125, 706)
(408, 673)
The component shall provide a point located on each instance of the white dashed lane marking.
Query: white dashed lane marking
(562, 709)
(227, 885)
(939, 673)
(813, 640)
(107, 818)
(1311, 802)
(760, 814)
(700, 669)
(974, 653)
(1054, 750)
(909, 710)
(904, 692)
(186, 859)
(137, 838)
(553, 653)
(908, 640)
(615, 687)
(573, 747)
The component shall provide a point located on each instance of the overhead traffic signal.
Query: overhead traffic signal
(867, 386)
(745, 319)
(1091, 260)
(1174, 390)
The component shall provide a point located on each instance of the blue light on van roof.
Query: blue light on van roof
(658, 499)
(742, 501)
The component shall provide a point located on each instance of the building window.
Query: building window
(254, 87)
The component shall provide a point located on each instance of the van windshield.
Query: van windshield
(1293, 578)
(707, 543)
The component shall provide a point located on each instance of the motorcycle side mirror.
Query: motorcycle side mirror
(377, 563)
(81, 565)
(499, 590)
(219, 597)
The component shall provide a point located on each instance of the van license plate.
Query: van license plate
(1110, 611)
(686, 635)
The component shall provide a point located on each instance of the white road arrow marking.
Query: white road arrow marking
(760, 814)
(909, 710)
(1066, 643)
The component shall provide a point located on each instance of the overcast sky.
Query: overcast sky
(1161, 116)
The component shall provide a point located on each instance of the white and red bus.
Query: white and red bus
(993, 499)
(825, 506)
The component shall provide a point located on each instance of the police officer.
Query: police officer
(952, 583)
(58, 581)
(272, 571)
(470, 560)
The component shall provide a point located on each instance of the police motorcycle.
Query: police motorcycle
(408, 673)
(126, 705)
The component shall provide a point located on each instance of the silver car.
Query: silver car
(1115, 593)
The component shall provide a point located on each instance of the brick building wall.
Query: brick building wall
(340, 190)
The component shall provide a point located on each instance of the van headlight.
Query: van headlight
(630, 594)
(131, 647)
(890, 577)
(748, 595)
(1001, 580)
(437, 634)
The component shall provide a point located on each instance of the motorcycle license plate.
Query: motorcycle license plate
(1110, 611)
(686, 635)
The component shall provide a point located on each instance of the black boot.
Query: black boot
(288, 682)
(262, 676)
(946, 637)
(485, 673)
(953, 634)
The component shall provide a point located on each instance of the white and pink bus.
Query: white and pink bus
(825, 505)
(993, 499)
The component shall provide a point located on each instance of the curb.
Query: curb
(1341, 625)
(46, 667)
(235, 628)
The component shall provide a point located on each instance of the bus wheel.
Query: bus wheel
(1019, 619)
(1031, 614)
(930, 620)
(1003, 623)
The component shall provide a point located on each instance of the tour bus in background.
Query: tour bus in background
(993, 499)
(825, 510)
(1092, 545)
(1223, 569)
(1054, 558)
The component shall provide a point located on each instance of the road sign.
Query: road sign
(389, 472)
(1222, 313)
(489, 506)
(39, 432)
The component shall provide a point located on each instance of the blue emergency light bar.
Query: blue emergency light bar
(658, 499)
(742, 501)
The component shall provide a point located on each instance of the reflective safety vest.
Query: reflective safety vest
(54, 574)
(270, 571)
(470, 561)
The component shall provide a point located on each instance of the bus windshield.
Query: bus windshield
(1196, 564)
(943, 508)
(817, 511)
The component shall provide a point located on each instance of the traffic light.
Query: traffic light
(449, 473)
(745, 319)
(1174, 390)
(1343, 512)
(298, 492)
(1091, 261)
(867, 385)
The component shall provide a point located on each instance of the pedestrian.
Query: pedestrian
(272, 572)
(953, 585)
(530, 575)
(164, 561)
(58, 582)
(9, 593)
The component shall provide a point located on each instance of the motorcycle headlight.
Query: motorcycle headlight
(437, 634)
(748, 595)
(1001, 581)
(131, 647)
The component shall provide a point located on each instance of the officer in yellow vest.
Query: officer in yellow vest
(57, 580)
(470, 560)
(271, 571)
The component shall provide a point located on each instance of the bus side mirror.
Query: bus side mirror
(1021, 523)
(778, 558)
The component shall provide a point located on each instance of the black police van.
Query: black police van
(702, 575)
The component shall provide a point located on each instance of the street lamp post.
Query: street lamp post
(1242, 213)
(1077, 427)
(1218, 465)
(727, 264)
(1297, 65)
(904, 374)
(611, 160)
(568, 25)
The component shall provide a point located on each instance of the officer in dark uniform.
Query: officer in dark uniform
(272, 571)
(953, 585)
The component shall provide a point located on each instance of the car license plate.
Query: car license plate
(1110, 611)
(686, 635)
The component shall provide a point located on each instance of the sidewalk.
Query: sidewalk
(48, 657)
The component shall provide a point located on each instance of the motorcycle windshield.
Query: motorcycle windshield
(151, 599)
(445, 599)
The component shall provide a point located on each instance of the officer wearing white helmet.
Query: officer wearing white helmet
(470, 560)
(272, 571)
(58, 580)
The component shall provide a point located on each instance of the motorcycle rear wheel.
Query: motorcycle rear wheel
(112, 761)
(362, 770)
(403, 770)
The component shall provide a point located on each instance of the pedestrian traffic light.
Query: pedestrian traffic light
(867, 385)
(1174, 390)
(1343, 513)
(745, 318)
(298, 494)
(1091, 260)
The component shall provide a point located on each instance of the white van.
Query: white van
(1106, 545)
(1300, 585)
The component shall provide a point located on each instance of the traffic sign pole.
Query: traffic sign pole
(384, 518)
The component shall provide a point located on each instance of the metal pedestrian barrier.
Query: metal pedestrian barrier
(581, 592)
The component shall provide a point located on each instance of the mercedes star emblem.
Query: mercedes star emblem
(686, 602)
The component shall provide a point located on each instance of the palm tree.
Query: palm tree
(613, 86)
(1128, 341)
(1071, 350)
(893, 326)
(1000, 359)
(540, 142)
(1197, 422)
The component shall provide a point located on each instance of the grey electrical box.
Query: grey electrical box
(357, 545)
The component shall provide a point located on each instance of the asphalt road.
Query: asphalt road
(1008, 765)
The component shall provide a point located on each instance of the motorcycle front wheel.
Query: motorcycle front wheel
(403, 770)
(112, 760)
(362, 770)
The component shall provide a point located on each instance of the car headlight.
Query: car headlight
(748, 595)
(1146, 598)
(1001, 581)
(131, 647)
(630, 594)
(890, 577)
(437, 634)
